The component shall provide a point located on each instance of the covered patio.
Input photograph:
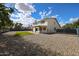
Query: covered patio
(40, 29)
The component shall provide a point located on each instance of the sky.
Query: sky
(27, 13)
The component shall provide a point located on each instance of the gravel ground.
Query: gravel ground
(65, 44)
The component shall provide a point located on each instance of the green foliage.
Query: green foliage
(18, 26)
(23, 33)
(72, 25)
(5, 21)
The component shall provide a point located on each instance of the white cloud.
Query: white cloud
(42, 14)
(61, 20)
(22, 7)
(55, 16)
(49, 7)
(14, 15)
(61, 23)
(25, 21)
(49, 13)
(25, 16)
(45, 13)
(71, 20)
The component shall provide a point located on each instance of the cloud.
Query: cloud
(49, 7)
(14, 15)
(62, 22)
(42, 14)
(71, 20)
(25, 14)
(22, 7)
(26, 21)
(55, 16)
(49, 13)
(45, 13)
(9, 4)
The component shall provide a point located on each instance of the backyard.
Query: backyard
(38, 44)
(18, 29)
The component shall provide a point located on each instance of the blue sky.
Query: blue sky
(65, 12)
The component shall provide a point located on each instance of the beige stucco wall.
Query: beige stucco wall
(52, 24)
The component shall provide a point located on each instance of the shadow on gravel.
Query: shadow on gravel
(16, 46)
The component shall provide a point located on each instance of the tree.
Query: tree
(72, 25)
(18, 26)
(76, 23)
(5, 21)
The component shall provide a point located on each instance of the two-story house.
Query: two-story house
(48, 25)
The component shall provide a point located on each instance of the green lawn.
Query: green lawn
(20, 33)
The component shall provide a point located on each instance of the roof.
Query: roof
(53, 17)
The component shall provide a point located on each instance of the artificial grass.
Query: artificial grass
(22, 33)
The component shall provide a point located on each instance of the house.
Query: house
(48, 25)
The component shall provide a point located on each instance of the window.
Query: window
(44, 28)
(42, 21)
(36, 29)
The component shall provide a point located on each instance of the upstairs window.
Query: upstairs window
(42, 21)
